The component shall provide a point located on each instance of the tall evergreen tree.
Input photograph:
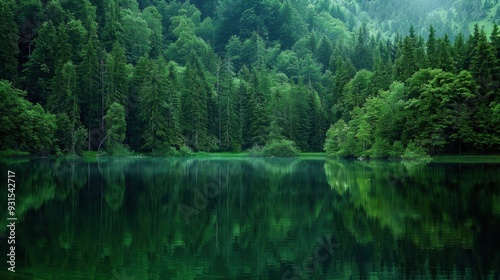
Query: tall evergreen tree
(445, 55)
(116, 76)
(195, 105)
(39, 70)
(432, 48)
(89, 87)
(258, 122)
(153, 106)
(230, 134)
(484, 65)
(8, 41)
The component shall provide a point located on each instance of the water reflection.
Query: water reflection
(255, 219)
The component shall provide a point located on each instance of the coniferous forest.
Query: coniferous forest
(385, 78)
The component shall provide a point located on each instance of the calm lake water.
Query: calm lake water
(243, 218)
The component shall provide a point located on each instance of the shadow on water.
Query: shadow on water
(254, 218)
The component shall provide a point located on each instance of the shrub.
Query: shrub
(397, 150)
(280, 148)
(255, 151)
(118, 150)
(380, 149)
(414, 152)
(184, 151)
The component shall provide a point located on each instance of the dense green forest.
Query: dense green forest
(384, 78)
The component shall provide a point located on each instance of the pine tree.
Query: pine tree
(460, 53)
(484, 65)
(89, 90)
(495, 39)
(432, 49)
(116, 76)
(173, 112)
(445, 55)
(39, 70)
(136, 123)
(324, 52)
(302, 114)
(112, 31)
(195, 105)
(345, 72)
(257, 115)
(362, 58)
(230, 134)
(152, 110)
(64, 95)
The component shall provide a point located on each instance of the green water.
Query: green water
(244, 218)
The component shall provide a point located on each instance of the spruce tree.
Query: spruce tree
(152, 110)
(89, 87)
(194, 105)
(116, 76)
(8, 41)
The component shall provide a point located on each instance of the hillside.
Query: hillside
(384, 78)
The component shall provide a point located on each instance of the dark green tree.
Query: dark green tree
(432, 49)
(195, 98)
(24, 126)
(116, 76)
(8, 41)
(153, 109)
(89, 88)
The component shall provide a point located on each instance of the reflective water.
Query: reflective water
(243, 218)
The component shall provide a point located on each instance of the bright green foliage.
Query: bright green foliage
(24, 126)
(64, 97)
(440, 112)
(226, 75)
(345, 72)
(364, 133)
(115, 126)
(414, 152)
(187, 41)
(136, 36)
(336, 139)
(355, 92)
(280, 148)
(153, 20)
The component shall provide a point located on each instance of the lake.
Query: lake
(252, 218)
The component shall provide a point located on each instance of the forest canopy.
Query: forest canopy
(387, 78)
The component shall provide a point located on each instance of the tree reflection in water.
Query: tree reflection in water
(383, 219)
